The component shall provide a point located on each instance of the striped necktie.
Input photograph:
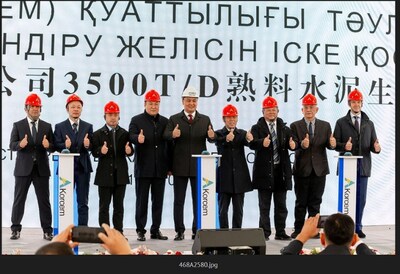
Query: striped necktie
(274, 143)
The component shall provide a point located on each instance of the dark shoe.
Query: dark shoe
(193, 236)
(15, 235)
(179, 236)
(48, 236)
(361, 234)
(158, 235)
(266, 237)
(141, 237)
(294, 234)
(283, 237)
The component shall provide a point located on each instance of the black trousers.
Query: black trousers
(180, 186)
(41, 185)
(224, 200)
(157, 188)
(309, 191)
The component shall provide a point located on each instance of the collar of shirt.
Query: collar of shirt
(356, 115)
(72, 122)
(187, 114)
(31, 120)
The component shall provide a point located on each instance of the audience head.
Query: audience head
(338, 230)
(55, 248)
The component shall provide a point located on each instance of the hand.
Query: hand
(114, 242)
(267, 141)
(67, 142)
(65, 236)
(128, 149)
(45, 142)
(292, 144)
(210, 132)
(230, 136)
(332, 141)
(309, 229)
(306, 141)
(24, 141)
(377, 146)
(176, 132)
(104, 148)
(249, 136)
(141, 137)
(86, 141)
(348, 145)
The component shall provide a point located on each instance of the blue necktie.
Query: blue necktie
(310, 130)
(356, 124)
(274, 143)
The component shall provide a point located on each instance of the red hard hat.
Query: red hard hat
(33, 100)
(152, 96)
(111, 107)
(229, 111)
(73, 97)
(269, 102)
(355, 95)
(309, 100)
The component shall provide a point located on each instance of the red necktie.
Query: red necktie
(190, 118)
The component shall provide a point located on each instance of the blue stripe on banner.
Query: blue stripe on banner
(217, 226)
(341, 185)
(55, 194)
(198, 193)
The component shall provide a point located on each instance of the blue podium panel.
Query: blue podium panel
(348, 177)
(207, 202)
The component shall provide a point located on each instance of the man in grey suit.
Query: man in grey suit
(189, 131)
(75, 135)
(32, 139)
(310, 165)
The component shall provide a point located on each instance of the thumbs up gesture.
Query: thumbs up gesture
(292, 143)
(249, 136)
(86, 141)
(267, 141)
(67, 142)
(24, 141)
(128, 149)
(230, 136)
(141, 137)
(348, 145)
(210, 132)
(45, 142)
(332, 141)
(306, 141)
(104, 148)
(377, 146)
(176, 132)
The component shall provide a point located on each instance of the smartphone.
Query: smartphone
(321, 221)
(86, 234)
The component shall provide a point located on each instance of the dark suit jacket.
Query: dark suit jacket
(263, 167)
(64, 128)
(315, 156)
(192, 141)
(295, 247)
(24, 160)
(363, 142)
(233, 174)
(105, 168)
(153, 157)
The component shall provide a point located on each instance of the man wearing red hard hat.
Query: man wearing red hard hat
(152, 164)
(75, 135)
(311, 163)
(32, 139)
(233, 176)
(272, 171)
(111, 146)
(355, 133)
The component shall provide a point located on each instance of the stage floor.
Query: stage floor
(381, 238)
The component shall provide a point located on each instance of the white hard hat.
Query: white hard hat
(190, 92)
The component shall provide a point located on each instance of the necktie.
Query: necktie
(310, 130)
(75, 128)
(34, 131)
(190, 118)
(114, 143)
(274, 143)
(356, 124)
